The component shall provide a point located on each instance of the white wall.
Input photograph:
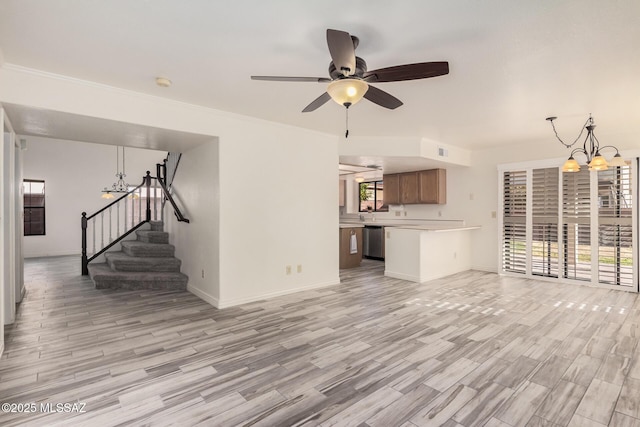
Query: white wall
(196, 187)
(278, 193)
(278, 184)
(259, 200)
(75, 173)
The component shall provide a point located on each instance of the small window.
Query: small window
(34, 222)
(371, 197)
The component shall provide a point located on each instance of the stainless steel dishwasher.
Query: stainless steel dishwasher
(373, 241)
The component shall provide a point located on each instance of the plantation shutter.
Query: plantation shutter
(576, 226)
(514, 241)
(615, 231)
(544, 249)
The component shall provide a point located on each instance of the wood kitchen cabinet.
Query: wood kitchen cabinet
(421, 187)
(391, 189)
(409, 188)
(348, 259)
(433, 186)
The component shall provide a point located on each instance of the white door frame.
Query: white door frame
(8, 236)
(18, 221)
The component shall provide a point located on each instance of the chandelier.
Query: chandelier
(120, 186)
(590, 149)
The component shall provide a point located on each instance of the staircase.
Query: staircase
(145, 263)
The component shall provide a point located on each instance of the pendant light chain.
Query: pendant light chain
(588, 122)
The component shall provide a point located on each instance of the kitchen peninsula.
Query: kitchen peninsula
(419, 253)
(419, 250)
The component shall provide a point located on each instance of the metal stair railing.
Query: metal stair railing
(117, 220)
(166, 172)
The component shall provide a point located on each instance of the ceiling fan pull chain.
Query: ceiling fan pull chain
(346, 134)
(347, 105)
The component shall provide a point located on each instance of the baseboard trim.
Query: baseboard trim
(420, 279)
(239, 301)
(401, 276)
(204, 296)
(51, 254)
(484, 268)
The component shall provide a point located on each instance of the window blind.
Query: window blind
(576, 226)
(544, 207)
(615, 231)
(514, 241)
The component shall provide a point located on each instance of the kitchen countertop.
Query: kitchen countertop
(374, 223)
(409, 226)
(349, 225)
(438, 228)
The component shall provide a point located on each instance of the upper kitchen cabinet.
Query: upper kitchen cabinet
(422, 187)
(392, 189)
(409, 188)
(433, 186)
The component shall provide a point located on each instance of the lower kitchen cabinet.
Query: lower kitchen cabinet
(347, 258)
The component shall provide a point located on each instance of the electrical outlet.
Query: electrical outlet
(388, 234)
(398, 213)
(288, 269)
(455, 255)
(439, 213)
(299, 268)
(470, 196)
(493, 214)
(203, 273)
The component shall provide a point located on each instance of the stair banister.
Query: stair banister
(161, 173)
(165, 184)
(146, 182)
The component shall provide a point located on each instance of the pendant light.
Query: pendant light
(590, 149)
(120, 186)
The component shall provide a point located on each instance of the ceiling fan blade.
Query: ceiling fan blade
(292, 79)
(342, 51)
(318, 102)
(421, 70)
(382, 98)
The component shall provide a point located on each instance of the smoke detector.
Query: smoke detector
(163, 82)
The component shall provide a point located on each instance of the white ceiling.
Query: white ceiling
(512, 63)
(72, 127)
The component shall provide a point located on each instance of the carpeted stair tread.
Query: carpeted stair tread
(106, 278)
(120, 261)
(151, 236)
(156, 225)
(144, 249)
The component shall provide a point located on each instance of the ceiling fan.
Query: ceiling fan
(350, 81)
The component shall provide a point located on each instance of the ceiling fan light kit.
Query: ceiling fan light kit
(590, 149)
(345, 91)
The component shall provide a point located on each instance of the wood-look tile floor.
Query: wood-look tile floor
(473, 349)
